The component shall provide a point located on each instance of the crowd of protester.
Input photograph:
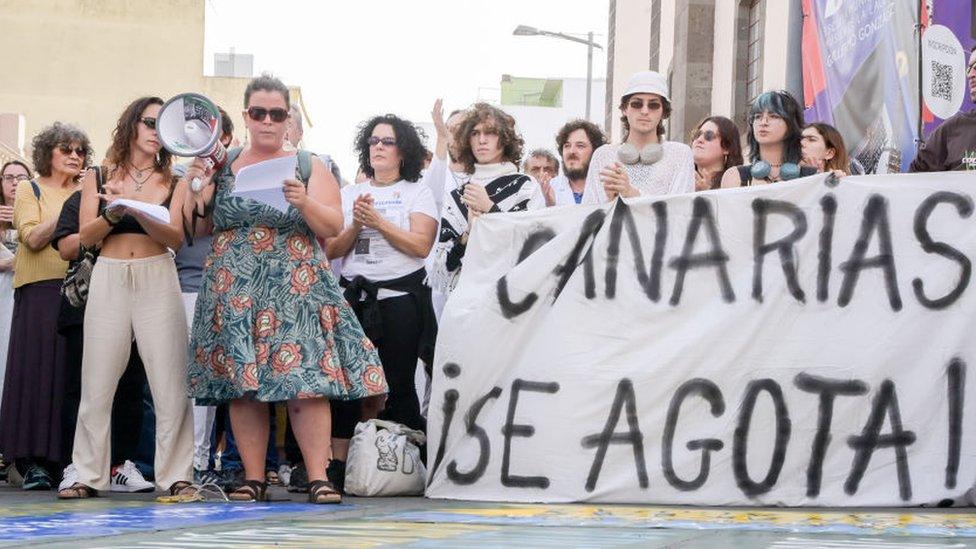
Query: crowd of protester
(297, 324)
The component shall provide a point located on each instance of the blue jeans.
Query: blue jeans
(230, 459)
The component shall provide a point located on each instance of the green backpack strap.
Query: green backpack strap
(232, 155)
(304, 166)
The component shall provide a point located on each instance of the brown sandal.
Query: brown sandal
(78, 491)
(249, 492)
(322, 491)
(182, 488)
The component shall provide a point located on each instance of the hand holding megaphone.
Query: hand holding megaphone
(189, 125)
(197, 173)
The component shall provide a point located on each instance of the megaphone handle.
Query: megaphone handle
(196, 185)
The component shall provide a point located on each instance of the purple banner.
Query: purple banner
(861, 76)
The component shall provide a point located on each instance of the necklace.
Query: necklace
(132, 174)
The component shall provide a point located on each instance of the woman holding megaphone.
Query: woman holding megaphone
(133, 294)
(270, 323)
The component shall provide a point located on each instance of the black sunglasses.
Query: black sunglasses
(637, 104)
(67, 150)
(149, 121)
(709, 135)
(386, 141)
(258, 114)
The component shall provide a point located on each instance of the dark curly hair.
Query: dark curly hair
(625, 124)
(411, 147)
(593, 133)
(509, 140)
(126, 130)
(784, 105)
(50, 137)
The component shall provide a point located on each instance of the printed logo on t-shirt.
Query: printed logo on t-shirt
(969, 160)
(362, 246)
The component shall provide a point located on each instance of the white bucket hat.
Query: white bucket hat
(647, 82)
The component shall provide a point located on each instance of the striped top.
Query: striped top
(29, 212)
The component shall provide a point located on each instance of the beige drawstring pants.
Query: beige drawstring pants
(137, 298)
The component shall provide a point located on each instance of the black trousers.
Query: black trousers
(398, 353)
(127, 410)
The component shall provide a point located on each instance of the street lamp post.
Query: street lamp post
(525, 30)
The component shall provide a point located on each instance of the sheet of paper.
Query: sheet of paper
(154, 211)
(263, 181)
(5, 253)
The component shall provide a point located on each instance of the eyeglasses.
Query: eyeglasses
(637, 105)
(258, 114)
(386, 141)
(709, 135)
(67, 150)
(149, 121)
(767, 117)
(10, 178)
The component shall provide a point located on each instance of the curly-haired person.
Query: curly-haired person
(575, 141)
(390, 221)
(490, 150)
(34, 382)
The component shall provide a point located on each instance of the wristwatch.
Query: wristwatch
(112, 218)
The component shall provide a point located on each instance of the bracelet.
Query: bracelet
(111, 218)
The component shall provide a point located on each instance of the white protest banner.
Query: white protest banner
(802, 343)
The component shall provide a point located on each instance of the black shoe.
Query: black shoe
(231, 480)
(37, 478)
(336, 473)
(298, 483)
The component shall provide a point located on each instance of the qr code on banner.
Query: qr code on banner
(941, 81)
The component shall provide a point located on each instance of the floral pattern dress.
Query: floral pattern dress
(270, 321)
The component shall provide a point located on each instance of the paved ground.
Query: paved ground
(137, 521)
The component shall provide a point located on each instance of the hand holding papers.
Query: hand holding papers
(263, 181)
(153, 211)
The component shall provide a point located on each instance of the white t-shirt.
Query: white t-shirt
(372, 256)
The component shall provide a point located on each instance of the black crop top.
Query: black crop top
(130, 225)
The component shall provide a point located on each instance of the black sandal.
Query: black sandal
(78, 491)
(249, 492)
(322, 491)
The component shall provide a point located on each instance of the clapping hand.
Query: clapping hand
(437, 116)
(476, 197)
(6, 214)
(364, 214)
(616, 182)
(545, 182)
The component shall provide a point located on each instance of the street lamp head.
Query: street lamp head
(525, 30)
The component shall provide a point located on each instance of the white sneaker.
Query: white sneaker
(68, 478)
(284, 473)
(127, 478)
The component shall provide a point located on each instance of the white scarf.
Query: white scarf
(508, 190)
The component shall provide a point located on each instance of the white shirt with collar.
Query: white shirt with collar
(563, 191)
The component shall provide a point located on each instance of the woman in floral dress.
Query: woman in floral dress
(270, 322)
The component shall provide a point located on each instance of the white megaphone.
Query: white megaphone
(189, 125)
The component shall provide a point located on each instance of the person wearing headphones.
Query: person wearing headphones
(644, 164)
